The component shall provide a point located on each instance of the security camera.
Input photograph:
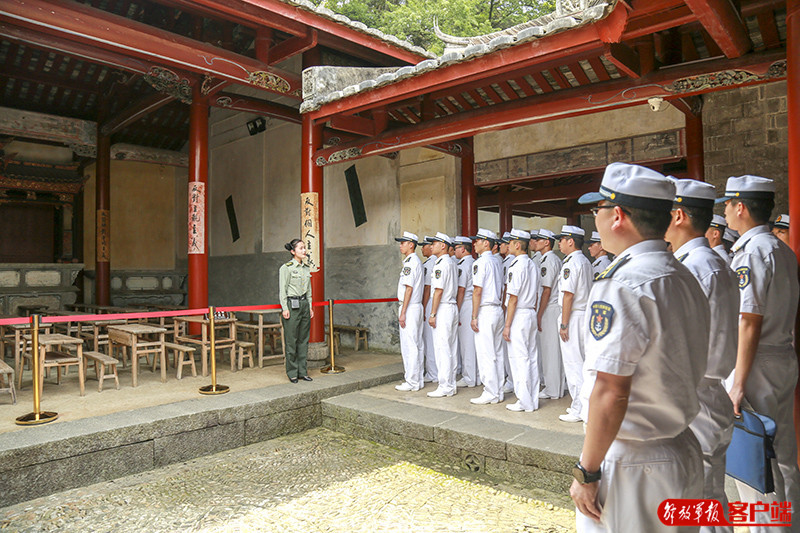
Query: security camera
(657, 104)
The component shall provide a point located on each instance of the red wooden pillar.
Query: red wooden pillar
(506, 211)
(311, 182)
(793, 111)
(198, 201)
(469, 200)
(694, 146)
(102, 281)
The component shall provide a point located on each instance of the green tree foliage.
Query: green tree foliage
(412, 20)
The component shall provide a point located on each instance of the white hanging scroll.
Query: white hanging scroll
(197, 217)
(309, 227)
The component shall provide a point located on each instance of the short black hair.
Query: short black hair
(699, 217)
(760, 208)
(578, 241)
(650, 223)
(524, 244)
(467, 246)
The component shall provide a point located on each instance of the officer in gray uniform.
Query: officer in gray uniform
(547, 317)
(766, 364)
(713, 427)
(600, 256)
(644, 362)
(715, 233)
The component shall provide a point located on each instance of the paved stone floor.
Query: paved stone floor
(314, 481)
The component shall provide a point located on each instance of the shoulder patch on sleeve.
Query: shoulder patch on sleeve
(406, 271)
(743, 273)
(510, 274)
(609, 271)
(602, 316)
(544, 271)
(566, 273)
(437, 273)
(474, 269)
(459, 272)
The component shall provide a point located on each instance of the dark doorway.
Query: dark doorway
(27, 233)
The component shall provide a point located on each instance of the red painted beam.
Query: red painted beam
(259, 107)
(86, 25)
(134, 112)
(352, 124)
(724, 23)
(572, 102)
(292, 46)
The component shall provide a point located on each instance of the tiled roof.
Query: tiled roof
(587, 12)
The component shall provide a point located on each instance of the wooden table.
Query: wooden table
(259, 328)
(19, 331)
(32, 309)
(220, 343)
(129, 335)
(57, 358)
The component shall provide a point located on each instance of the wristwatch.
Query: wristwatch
(433, 315)
(584, 477)
(564, 326)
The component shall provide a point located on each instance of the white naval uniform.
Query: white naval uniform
(713, 425)
(549, 339)
(522, 281)
(600, 264)
(575, 277)
(635, 331)
(767, 279)
(427, 331)
(508, 377)
(487, 273)
(723, 253)
(445, 334)
(411, 345)
(466, 337)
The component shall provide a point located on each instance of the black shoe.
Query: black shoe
(306, 378)
(293, 380)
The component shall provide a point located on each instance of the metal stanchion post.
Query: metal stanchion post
(37, 416)
(332, 369)
(214, 388)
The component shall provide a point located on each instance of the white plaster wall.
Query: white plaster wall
(491, 221)
(442, 211)
(586, 129)
(281, 194)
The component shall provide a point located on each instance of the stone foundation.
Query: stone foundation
(317, 354)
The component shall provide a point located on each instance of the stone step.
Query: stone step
(534, 457)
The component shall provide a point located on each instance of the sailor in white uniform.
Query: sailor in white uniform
(713, 427)
(644, 361)
(548, 313)
(508, 381)
(444, 315)
(487, 318)
(520, 332)
(575, 282)
(781, 228)
(427, 332)
(409, 294)
(466, 337)
(714, 235)
(766, 364)
(600, 256)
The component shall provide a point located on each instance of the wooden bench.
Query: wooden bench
(181, 352)
(359, 332)
(337, 338)
(101, 361)
(244, 349)
(7, 376)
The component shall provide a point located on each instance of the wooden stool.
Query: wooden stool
(7, 375)
(246, 349)
(101, 361)
(181, 352)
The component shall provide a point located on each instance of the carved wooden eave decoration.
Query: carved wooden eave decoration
(41, 177)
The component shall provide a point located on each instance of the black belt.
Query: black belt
(303, 297)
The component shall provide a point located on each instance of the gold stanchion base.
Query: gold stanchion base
(32, 419)
(332, 369)
(219, 389)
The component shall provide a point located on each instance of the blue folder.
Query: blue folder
(750, 452)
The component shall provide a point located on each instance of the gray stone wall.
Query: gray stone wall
(747, 132)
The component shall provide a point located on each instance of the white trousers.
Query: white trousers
(572, 355)
(770, 391)
(637, 477)
(550, 353)
(713, 428)
(524, 358)
(411, 346)
(466, 345)
(445, 344)
(508, 370)
(489, 349)
(427, 337)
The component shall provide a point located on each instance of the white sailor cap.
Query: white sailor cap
(519, 235)
(571, 231)
(408, 236)
(694, 193)
(534, 233)
(427, 240)
(460, 239)
(595, 237)
(782, 222)
(506, 237)
(544, 234)
(730, 235)
(487, 234)
(748, 187)
(718, 221)
(442, 237)
(633, 186)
